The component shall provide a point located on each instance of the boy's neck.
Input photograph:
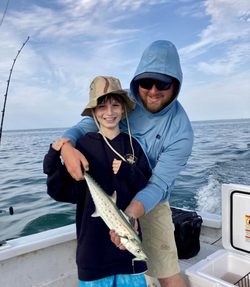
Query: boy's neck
(110, 133)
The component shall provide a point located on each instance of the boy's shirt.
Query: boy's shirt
(97, 256)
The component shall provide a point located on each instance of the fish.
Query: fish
(115, 218)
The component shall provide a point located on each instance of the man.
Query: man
(163, 129)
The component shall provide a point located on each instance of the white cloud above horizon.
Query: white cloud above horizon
(71, 42)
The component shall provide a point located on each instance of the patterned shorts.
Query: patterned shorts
(120, 280)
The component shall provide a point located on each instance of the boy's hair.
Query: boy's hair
(107, 98)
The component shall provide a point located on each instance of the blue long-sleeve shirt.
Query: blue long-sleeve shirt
(166, 137)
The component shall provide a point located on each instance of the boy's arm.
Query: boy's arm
(52, 159)
(72, 158)
(60, 185)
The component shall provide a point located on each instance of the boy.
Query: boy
(116, 162)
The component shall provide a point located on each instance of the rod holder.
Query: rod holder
(10, 210)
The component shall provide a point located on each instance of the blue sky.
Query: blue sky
(73, 41)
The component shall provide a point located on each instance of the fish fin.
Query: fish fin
(131, 220)
(113, 197)
(95, 214)
(124, 240)
(125, 215)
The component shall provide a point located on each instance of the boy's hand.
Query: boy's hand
(117, 240)
(116, 165)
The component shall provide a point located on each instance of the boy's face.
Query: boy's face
(109, 113)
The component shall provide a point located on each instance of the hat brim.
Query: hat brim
(155, 76)
(130, 104)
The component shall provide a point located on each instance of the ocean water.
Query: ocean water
(221, 154)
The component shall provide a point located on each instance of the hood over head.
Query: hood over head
(159, 61)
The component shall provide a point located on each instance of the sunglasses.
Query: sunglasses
(149, 83)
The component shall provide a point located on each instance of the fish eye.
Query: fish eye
(138, 250)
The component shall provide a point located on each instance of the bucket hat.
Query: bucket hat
(101, 86)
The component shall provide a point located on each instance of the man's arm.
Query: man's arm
(86, 125)
(170, 163)
(73, 159)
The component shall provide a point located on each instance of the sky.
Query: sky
(73, 41)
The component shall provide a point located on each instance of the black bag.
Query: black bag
(187, 232)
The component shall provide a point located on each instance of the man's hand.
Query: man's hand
(74, 160)
(57, 145)
(135, 209)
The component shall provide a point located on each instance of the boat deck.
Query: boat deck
(48, 258)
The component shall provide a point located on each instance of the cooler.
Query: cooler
(229, 266)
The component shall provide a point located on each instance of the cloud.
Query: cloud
(236, 56)
(195, 10)
(224, 98)
(74, 41)
(67, 18)
(63, 24)
(96, 7)
(229, 22)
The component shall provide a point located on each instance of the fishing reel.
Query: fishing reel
(11, 212)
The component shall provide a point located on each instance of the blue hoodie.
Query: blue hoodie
(166, 137)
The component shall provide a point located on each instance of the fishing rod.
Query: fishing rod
(7, 89)
(6, 8)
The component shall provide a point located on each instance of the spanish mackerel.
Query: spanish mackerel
(115, 219)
